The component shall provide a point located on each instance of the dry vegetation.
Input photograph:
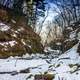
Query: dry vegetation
(25, 39)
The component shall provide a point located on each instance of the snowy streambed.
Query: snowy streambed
(65, 67)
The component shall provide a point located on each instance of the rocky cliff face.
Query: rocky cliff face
(71, 36)
(17, 39)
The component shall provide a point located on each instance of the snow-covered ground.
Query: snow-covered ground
(64, 67)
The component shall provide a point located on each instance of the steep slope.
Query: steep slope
(71, 36)
(16, 38)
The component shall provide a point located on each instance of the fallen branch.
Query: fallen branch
(16, 72)
(64, 58)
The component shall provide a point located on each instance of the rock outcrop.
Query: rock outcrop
(17, 39)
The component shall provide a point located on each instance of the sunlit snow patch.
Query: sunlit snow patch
(4, 27)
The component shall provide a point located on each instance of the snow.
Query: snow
(78, 35)
(72, 35)
(4, 27)
(70, 28)
(11, 43)
(60, 67)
